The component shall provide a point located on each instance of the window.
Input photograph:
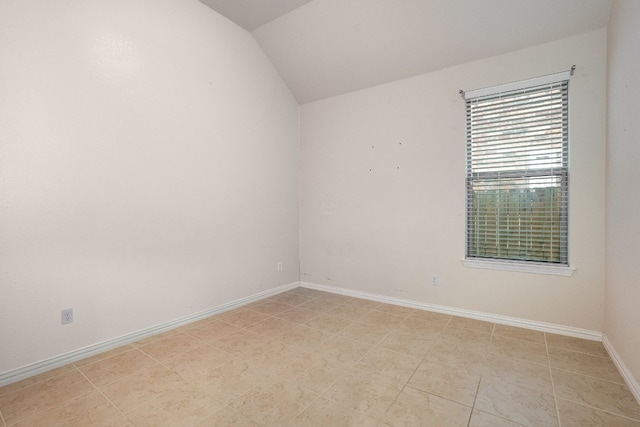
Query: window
(517, 171)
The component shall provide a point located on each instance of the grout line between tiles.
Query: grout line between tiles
(19, 388)
(406, 384)
(603, 410)
(369, 351)
(475, 397)
(305, 408)
(383, 416)
(578, 351)
(158, 362)
(553, 385)
(588, 376)
(207, 414)
(357, 411)
(99, 390)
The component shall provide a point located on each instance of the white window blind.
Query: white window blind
(518, 171)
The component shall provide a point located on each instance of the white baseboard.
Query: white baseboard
(488, 317)
(73, 356)
(632, 382)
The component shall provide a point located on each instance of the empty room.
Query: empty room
(319, 213)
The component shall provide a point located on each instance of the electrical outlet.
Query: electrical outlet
(434, 279)
(67, 316)
(279, 267)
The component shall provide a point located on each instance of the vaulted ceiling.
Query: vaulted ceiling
(323, 48)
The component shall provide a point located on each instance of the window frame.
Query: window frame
(561, 267)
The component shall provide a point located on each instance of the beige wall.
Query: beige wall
(382, 190)
(148, 170)
(622, 300)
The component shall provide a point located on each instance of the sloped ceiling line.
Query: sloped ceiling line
(324, 48)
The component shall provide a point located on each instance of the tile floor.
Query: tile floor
(309, 358)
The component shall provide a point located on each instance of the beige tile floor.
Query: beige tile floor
(308, 358)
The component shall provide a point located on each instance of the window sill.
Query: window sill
(522, 267)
